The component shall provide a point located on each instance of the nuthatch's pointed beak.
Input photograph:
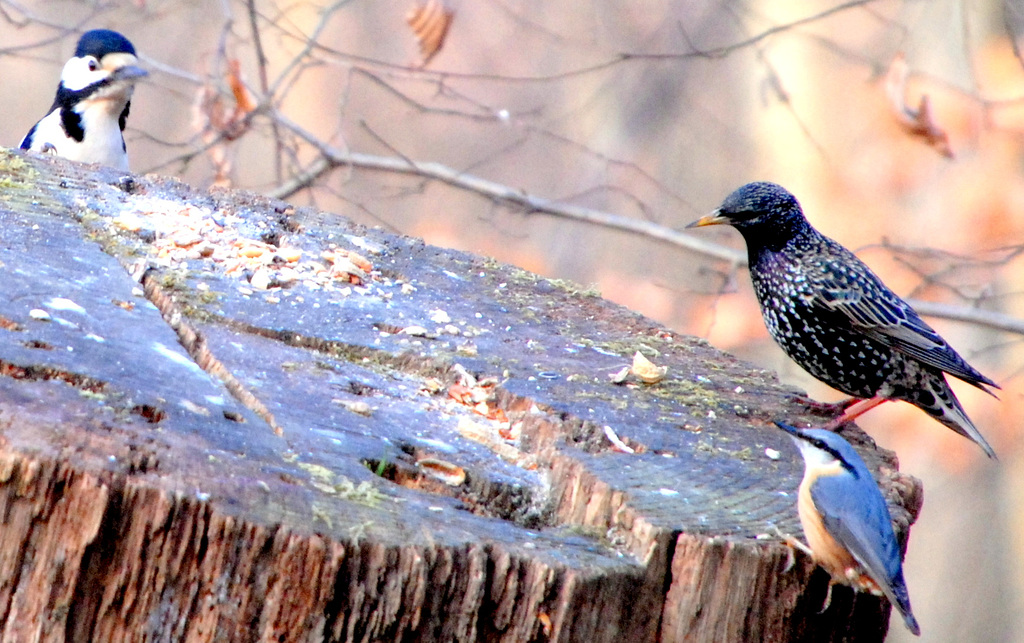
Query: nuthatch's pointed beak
(715, 218)
(799, 438)
(792, 430)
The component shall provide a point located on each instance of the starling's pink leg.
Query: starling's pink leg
(825, 408)
(854, 411)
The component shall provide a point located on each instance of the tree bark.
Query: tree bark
(226, 419)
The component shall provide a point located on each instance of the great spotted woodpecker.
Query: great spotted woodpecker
(89, 112)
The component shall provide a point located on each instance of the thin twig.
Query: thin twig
(332, 158)
(529, 203)
(309, 42)
(614, 61)
(986, 318)
(261, 64)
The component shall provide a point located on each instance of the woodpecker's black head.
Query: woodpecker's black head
(105, 66)
(100, 42)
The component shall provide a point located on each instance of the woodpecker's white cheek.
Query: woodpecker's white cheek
(77, 75)
(117, 60)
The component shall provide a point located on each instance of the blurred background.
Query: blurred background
(650, 112)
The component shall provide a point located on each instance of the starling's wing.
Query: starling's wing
(860, 522)
(847, 285)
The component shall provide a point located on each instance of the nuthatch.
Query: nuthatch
(89, 112)
(846, 521)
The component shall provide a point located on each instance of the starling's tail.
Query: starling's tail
(935, 398)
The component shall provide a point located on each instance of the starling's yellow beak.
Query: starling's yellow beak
(712, 219)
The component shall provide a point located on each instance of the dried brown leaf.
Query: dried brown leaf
(430, 21)
(917, 122)
(244, 103)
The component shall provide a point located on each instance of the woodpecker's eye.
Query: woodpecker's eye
(93, 64)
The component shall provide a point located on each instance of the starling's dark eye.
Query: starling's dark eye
(743, 214)
(93, 64)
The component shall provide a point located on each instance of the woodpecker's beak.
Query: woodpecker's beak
(128, 73)
(715, 218)
(123, 67)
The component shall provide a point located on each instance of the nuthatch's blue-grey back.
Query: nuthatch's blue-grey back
(846, 520)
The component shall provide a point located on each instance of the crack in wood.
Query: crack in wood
(195, 345)
(90, 385)
(480, 495)
(38, 372)
(565, 506)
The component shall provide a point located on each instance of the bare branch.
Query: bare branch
(261, 63)
(311, 43)
(529, 203)
(32, 18)
(536, 205)
(753, 40)
(987, 318)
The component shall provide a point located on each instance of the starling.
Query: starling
(834, 317)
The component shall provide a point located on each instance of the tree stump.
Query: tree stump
(227, 419)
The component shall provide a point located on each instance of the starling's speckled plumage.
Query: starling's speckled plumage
(836, 318)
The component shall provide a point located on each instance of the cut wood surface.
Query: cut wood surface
(226, 419)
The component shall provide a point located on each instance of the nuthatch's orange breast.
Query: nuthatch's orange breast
(829, 552)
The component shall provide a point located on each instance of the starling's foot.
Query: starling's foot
(826, 409)
(837, 424)
(854, 411)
